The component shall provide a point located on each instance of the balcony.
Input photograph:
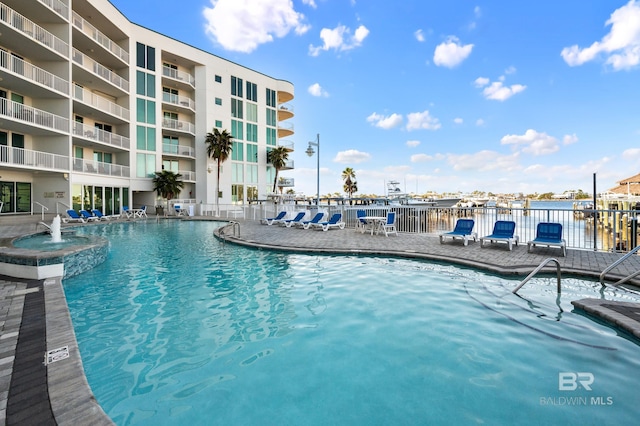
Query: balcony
(99, 135)
(187, 175)
(99, 38)
(285, 91)
(285, 129)
(179, 101)
(285, 111)
(286, 144)
(30, 73)
(100, 168)
(103, 104)
(179, 126)
(179, 76)
(97, 69)
(58, 7)
(32, 116)
(33, 32)
(288, 165)
(25, 158)
(179, 150)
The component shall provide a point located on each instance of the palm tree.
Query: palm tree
(350, 184)
(167, 184)
(278, 157)
(219, 147)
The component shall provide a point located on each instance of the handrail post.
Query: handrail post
(535, 271)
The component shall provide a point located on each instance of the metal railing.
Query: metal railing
(178, 75)
(181, 126)
(10, 155)
(31, 72)
(100, 168)
(186, 150)
(99, 70)
(616, 263)
(43, 208)
(99, 102)
(100, 135)
(33, 115)
(58, 7)
(92, 32)
(178, 100)
(535, 271)
(32, 30)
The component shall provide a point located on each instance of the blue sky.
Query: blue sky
(442, 96)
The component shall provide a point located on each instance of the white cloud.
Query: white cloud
(339, 39)
(621, 46)
(310, 3)
(317, 90)
(421, 158)
(631, 153)
(351, 156)
(458, 120)
(569, 139)
(532, 142)
(243, 25)
(510, 70)
(422, 120)
(419, 35)
(484, 161)
(451, 53)
(479, 122)
(413, 143)
(383, 122)
(496, 90)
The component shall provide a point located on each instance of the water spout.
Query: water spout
(56, 233)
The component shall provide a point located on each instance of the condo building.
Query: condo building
(93, 105)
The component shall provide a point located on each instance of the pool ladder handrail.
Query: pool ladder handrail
(535, 271)
(616, 263)
(233, 224)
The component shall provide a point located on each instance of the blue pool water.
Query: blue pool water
(177, 328)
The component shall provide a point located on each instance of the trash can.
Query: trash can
(160, 210)
(191, 210)
(633, 224)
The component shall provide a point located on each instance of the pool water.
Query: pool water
(43, 242)
(179, 328)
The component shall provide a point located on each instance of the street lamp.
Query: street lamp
(310, 153)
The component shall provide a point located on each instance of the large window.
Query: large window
(236, 108)
(145, 84)
(171, 165)
(236, 86)
(170, 144)
(146, 111)
(271, 98)
(146, 138)
(237, 152)
(252, 153)
(145, 56)
(252, 173)
(237, 130)
(252, 91)
(15, 197)
(252, 132)
(252, 112)
(271, 117)
(145, 165)
(271, 136)
(237, 193)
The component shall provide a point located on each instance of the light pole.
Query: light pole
(310, 152)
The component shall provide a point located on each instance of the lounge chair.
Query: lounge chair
(271, 220)
(362, 222)
(462, 230)
(97, 213)
(142, 212)
(306, 224)
(290, 222)
(180, 211)
(72, 216)
(503, 231)
(548, 234)
(334, 222)
(88, 216)
(389, 227)
(126, 212)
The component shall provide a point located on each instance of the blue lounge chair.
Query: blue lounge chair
(389, 227)
(88, 216)
(271, 220)
(334, 222)
(306, 224)
(72, 216)
(462, 230)
(548, 234)
(97, 213)
(503, 231)
(290, 222)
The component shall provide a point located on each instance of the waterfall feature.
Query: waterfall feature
(56, 234)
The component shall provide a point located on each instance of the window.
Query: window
(218, 79)
(103, 157)
(236, 130)
(271, 136)
(145, 84)
(218, 101)
(252, 91)
(236, 86)
(237, 193)
(105, 127)
(236, 108)
(252, 153)
(237, 153)
(251, 174)
(170, 95)
(170, 144)
(145, 111)
(145, 165)
(252, 112)
(170, 165)
(271, 117)
(146, 138)
(271, 98)
(145, 57)
(252, 132)
(219, 124)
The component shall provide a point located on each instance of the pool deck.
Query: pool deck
(34, 318)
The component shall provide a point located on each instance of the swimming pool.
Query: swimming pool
(178, 328)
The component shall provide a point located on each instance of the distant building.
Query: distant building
(92, 105)
(629, 186)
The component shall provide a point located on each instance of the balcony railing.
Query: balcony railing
(181, 126)
(99, 70)
(181, 101)
(186, 150)
(100, 168)
(99, 102)
(178, 75)
(13, 156)
(188, 175)
(100, 135)
(284, 126)
(92, 32)
(58, 7)
(286, 144)
(33, 73)
(32, 115)
(33, 30)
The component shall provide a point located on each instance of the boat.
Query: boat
(396, 196)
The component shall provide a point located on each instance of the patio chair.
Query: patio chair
(362, 223)
(72, 216)
(334, 222)
(290, 222)
(142, 212)
(462, 230)
(389, 227)
(503, 231)
(88, 216)
(180, 211)
(97, 213)
(126, 212)
(306, 224)
(548, 234)
(271, 220)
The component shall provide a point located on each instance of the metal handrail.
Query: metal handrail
(42, 209)
(535, 271)
(616, 263)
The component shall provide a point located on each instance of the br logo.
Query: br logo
(568, 381)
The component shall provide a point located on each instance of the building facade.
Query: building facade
(93, 105)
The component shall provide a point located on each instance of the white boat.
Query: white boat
(396, 196)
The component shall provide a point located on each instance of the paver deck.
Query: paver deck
(34, 317)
